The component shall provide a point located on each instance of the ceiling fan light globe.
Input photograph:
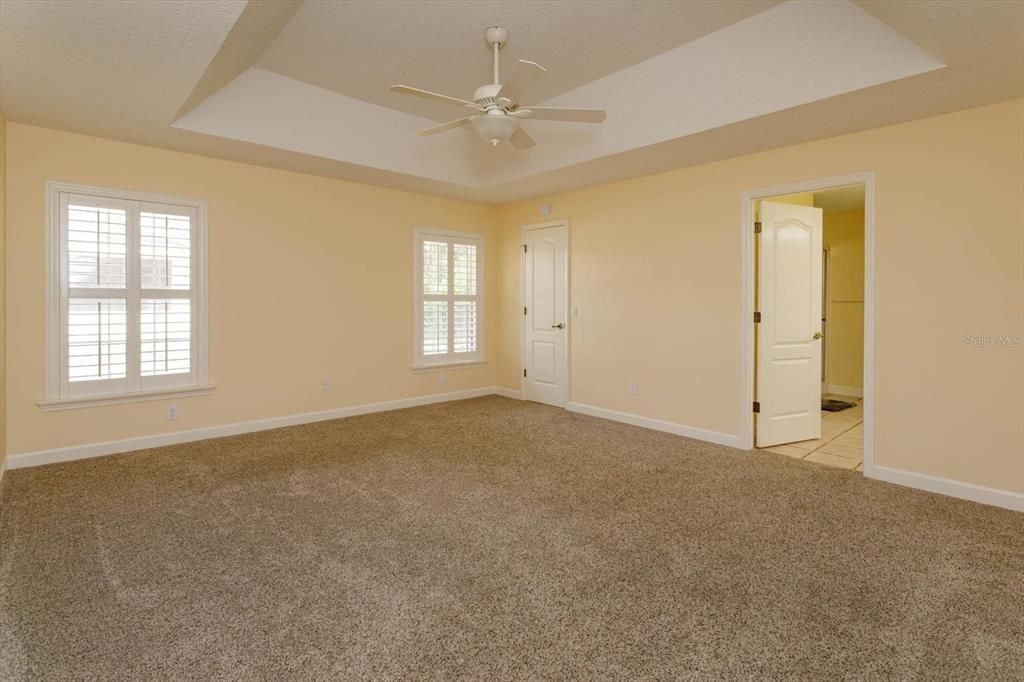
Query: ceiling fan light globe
(495, 126)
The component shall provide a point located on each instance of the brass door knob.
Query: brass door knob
(560, 325)
(818, 335)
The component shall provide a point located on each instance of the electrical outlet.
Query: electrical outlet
(442, 380)
(631, 388)
(325, 385)
(172, 413)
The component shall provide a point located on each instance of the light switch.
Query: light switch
(574, 311)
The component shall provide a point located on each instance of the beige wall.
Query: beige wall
(308, 278)
(655, 271)
(843, 236)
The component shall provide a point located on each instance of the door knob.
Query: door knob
(818, 335)
(560, 325)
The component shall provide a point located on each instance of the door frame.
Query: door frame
(747, 284)
(562, 222)
(825, 330)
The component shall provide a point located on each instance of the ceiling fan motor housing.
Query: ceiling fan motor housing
(485, 94)
(496, 35)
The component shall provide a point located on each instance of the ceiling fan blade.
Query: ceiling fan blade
(521, 140)
(523, 76)
(447, 126)
(559, 114)
(426, 94)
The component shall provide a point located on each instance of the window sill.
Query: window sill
(78, 402)
(449, 365)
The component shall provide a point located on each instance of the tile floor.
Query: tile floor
(841, 443)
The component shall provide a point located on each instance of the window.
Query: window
(126, 309)
(448, 287)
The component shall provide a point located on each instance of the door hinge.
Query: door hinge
(524, 372)
(757, 316)
(524, 310)
(757, 227)
(757, 407)
(524, 248)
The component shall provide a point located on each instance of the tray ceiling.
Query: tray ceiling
(304, 85)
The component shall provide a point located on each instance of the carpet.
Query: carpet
(496, 539)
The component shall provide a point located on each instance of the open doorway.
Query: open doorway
(809, 267)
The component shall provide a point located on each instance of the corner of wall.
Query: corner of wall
(497, 339)
(3, 296)
(499, 313)
(509, 301)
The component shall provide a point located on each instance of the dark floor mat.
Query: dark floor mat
(830, 405)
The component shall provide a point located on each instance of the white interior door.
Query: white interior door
(545, 327)
(789, 334)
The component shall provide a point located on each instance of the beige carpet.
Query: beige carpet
(495, 539)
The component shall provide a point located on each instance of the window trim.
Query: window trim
(464, 359)
(55, 397)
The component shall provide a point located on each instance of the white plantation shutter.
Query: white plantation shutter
(464, 302)
(97, 339)
(128, 296)
(435, 328)
(448, 281)
(166, 337)
(95, 267)
(165, 291)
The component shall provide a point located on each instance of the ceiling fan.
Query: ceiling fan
(499, 112)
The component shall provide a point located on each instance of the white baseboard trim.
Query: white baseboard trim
(851, 391)
(508, 392)
(657, 424)
(112, 447)
(944, 486)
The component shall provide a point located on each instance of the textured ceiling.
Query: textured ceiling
(119, 65)
(257, 25)
(303, 85)
(358, 48)
(817, 50)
